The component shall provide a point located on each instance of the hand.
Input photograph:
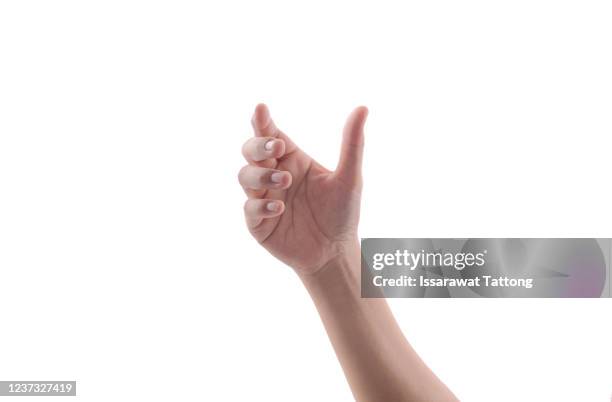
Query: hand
(302, 213)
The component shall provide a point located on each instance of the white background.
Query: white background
(124, 261)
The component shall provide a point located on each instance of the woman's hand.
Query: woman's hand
(307, 216)
(302, 213)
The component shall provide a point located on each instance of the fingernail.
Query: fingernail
(273, 206)
(276, 177)
(269, 145)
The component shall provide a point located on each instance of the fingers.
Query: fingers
(262, 122)
(264, 126)
(258, 149)
(256, 210)
(260, 178)
(351, 153)
(263, 153)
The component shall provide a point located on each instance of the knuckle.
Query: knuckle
(245, 148)
(241, 173)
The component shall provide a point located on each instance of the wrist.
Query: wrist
(341, 270)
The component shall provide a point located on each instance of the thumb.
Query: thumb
(351, 152)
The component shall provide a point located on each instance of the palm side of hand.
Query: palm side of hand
(309, 214)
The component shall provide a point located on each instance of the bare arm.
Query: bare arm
(379, 364)
(307, 216)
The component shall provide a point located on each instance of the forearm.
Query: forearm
(379, 364)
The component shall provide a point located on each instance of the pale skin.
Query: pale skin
(307, 216)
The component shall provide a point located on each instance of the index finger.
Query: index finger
(264, 126)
